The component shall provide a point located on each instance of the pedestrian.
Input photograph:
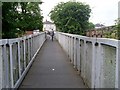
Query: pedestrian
(52, 34)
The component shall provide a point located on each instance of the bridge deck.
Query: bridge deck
(52, 69)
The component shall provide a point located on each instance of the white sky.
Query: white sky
(103, 11)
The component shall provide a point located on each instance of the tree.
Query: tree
(91, 25)
(32, 18)
(17, 17)
(0, 20)
(118, 27)
(71, 17)
(8, 29)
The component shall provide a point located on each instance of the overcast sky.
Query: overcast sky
(103, 11)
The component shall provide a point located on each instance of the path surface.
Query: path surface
(52, 69)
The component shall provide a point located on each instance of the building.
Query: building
(102, 32)
(48, 26)
(98, 25)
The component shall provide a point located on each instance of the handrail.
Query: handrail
(16, 57)
(96, 59)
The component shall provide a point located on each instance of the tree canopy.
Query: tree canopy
(71, 17)
(91, 26)
(17, 17)
(118, 27)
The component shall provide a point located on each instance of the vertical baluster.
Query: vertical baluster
(11, 67)
(1, 68)
(93, 66)
(6, 67)
(24, 53)
(19, 59)
(117, 79)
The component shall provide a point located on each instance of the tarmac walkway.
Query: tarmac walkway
(52, 69)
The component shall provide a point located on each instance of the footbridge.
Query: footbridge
(69, 61)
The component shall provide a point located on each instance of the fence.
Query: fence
(97, 59)
(16, 57)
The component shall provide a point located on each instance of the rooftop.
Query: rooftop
(47, 22)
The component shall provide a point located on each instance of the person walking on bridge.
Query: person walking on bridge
(52, 34)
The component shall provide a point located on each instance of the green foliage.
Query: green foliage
(91, 25)
(118, 27)
(0, 20)
(112, 34)
(17, 17)
(71, 17)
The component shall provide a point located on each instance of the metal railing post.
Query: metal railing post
(11, 67)
(1, 69)
(19, 63)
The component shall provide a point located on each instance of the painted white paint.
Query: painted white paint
(98, 59)
(98, 63)
(12, 55)
(1, 63)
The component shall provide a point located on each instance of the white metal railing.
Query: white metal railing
(16, 57)
(97, 59)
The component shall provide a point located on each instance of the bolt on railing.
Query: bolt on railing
(16, 57)
(97, 60)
